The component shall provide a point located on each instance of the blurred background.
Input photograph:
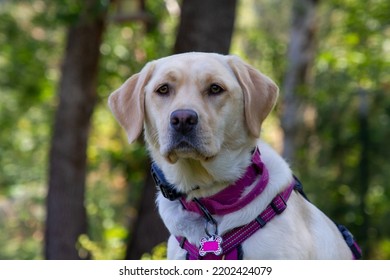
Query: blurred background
(71, 187)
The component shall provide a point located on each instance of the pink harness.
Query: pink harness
(231, 241)
(231, 199)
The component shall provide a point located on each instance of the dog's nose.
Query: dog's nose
(184, 120)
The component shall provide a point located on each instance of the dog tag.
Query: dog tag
(210, 244)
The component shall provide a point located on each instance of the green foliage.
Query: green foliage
(259, 38)
(29, 69)
(21, 215)
(113, 247)
(26, 84)
(158, 253)
(31, 49)
(354, 57)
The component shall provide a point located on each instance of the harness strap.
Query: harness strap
(347, 235)
(233, 238)
(351, 242)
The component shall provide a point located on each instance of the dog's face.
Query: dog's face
(193, 105)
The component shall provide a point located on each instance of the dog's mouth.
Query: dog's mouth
(185, 148)
(184, 145)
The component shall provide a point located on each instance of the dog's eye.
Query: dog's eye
(216, 89)
(163, 89)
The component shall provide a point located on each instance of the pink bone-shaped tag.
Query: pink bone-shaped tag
(210, 244)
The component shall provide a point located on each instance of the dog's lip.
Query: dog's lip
(186, 149)
(184, 145)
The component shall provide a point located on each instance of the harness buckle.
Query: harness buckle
(275, 204)
(168, 190)
(182, 242)
(260, 221)
(299, 188)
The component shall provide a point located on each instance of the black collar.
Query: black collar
(168, 190)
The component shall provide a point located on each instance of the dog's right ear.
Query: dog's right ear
(127, 103)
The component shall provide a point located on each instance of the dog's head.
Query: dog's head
(195, 104)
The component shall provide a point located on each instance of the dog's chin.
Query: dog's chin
(185, 150)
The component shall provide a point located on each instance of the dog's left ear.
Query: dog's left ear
(260, 93)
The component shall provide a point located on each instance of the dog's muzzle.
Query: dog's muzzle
(183, 130)
(186, 138)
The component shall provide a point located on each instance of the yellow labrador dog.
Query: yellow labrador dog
(224, 193)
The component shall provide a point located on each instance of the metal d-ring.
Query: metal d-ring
(209, 219)
(206, 228)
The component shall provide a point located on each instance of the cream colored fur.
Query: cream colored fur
(228, 129)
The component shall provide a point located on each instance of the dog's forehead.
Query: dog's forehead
(193, 65)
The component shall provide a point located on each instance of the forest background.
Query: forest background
(71, 187)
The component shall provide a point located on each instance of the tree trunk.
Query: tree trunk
(206, 26)
(148, 230)
(66, 215)
(200, 30)
(300, 57)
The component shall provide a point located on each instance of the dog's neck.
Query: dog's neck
(235, 196)
(197, 178)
